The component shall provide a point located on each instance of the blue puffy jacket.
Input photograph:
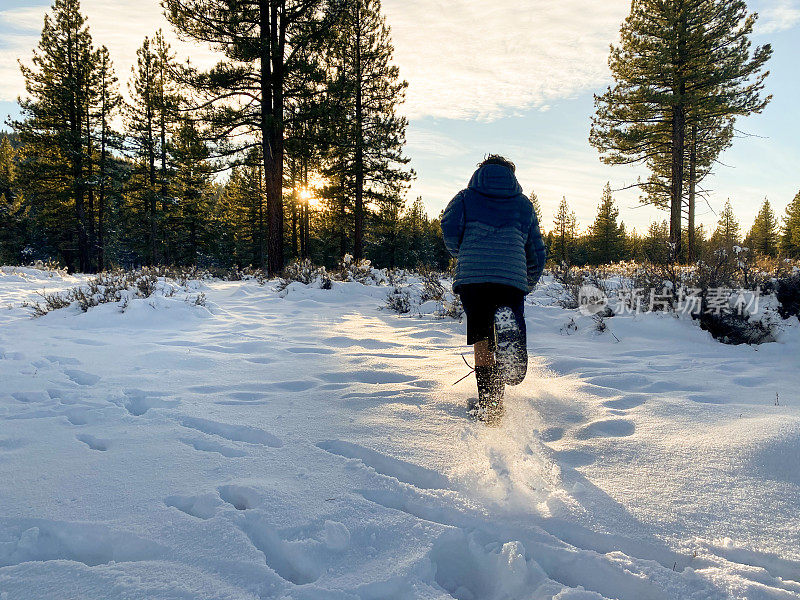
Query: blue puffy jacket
(492, 229)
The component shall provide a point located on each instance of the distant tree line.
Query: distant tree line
(607, 240)
(290, 146)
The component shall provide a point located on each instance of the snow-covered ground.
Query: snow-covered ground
(310, 445)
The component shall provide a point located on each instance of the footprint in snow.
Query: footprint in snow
(624, 403)
(299, 561)
(200, 507)
(94, 443)
(82, 377)
(32, 396)
(386, 465)
(138, 402)
(212, 446)
(607, 428)
(234, 433)
(240, 497)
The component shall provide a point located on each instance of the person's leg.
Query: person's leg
(509, 323)
(484, 355)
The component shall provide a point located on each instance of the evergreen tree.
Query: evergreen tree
(388, 240)
(606, 236)
(142, 125)
(238, 218)
(763, 236)
(790, 231)
(679, 64)
(150, 117)
(11, 226)
(264, 43)
(537, 209)
(188, 221)
(726, 235)
(53, 131)
(633, 249)
(371, 133)
(108, 103)
(655, 245)
(7, 168)
(564, 233)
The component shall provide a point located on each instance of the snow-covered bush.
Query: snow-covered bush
(787, 292)
(303, 271)
(427, 293)
(115, 286)
(37, 270)
(399, 300)
(732, 294)
(735, 328)
(361, 271)
(49, 265)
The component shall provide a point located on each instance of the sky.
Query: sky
(508, 77)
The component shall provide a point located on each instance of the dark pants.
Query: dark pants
(481, 300)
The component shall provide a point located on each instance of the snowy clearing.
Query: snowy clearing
(310, 445)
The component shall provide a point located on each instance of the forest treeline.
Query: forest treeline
(292, 145)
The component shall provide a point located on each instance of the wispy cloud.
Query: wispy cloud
(463, 58)
(426, 143)
(476, 59)
(120, 27)
(778, 15)
(20, 28)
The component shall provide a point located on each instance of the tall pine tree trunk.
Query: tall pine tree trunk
(101, 197)
(273, 35)
(295, 249)
(304, 214)
(676, 192)
(151, 194)
(92, 243)
(678, 131)
(358, 242)
(258, 239)
(75, 119)
(162, 127)
(690, 241)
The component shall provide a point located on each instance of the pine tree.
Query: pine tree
(679, 65)
(142, 125)
(190, 215)
(606, 236)
(537, 209)
(790, 231)
(705, 140)
(108, 103)
(726, 235)
(53, 132)
(372, 134)
(7, 168)
(763, 236)
(11, 235)
(388, 236)
(150, 117)
(265, 44)
(655, 245)
(564, 232)
(238, 217)
(633, 249)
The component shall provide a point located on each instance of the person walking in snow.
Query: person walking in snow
(492, 231)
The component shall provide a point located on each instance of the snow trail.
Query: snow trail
(312, 447)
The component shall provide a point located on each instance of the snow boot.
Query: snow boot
(489, 407)
(511, 347)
